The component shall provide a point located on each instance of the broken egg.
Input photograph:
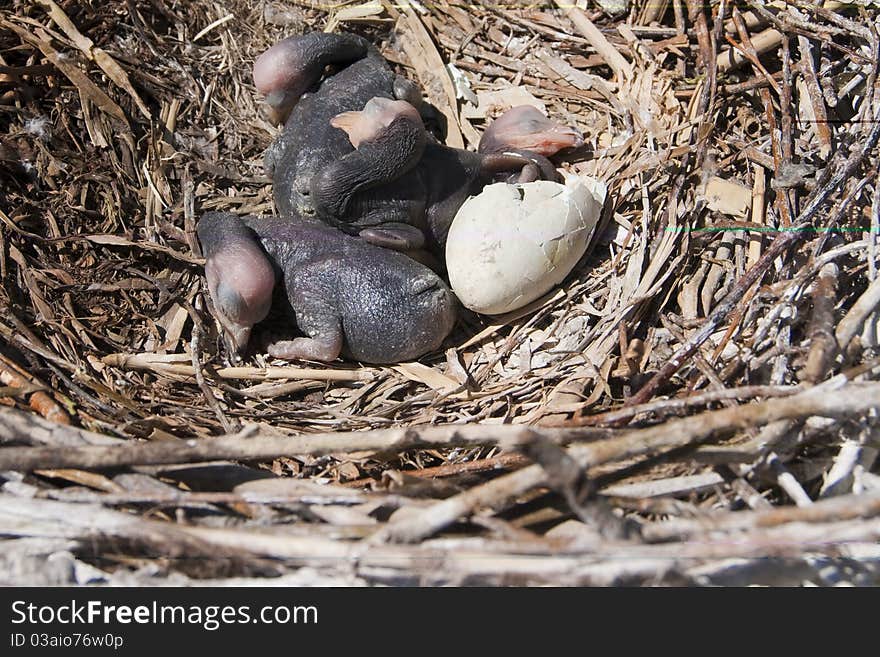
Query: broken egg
(512, 243)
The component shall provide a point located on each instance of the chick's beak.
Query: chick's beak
(236, 338)
(279, 105)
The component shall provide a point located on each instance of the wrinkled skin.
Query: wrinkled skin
(348, 296)
(384, 179)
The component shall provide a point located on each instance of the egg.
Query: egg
(512, 243)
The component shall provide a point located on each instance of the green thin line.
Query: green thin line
(770, 229)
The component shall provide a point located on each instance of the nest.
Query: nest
(696, 403)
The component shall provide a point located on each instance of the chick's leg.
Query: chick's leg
(310, 291)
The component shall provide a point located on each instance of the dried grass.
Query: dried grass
(714, 350)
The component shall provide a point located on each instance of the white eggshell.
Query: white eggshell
(510, 244)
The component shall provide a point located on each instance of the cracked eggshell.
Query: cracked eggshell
(512, 243)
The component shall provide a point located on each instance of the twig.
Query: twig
(35, 391)
(456, 561)
(853, 320)
(817, 101)
(763, 41)
(207, 393)
(250, 445)
(216, 23)
(174, 364)
(787, 481)
(782, 204)
(821, 400)
(715, 319)
(844, 507)
(823, 344)
(502, 461)
(754, 273)
(839, 478)
(113, 70)
(193, 498)
(757, 82)
(705, 106)
(622, 68)
(785, 137)
(758, 216)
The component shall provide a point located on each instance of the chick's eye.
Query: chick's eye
(229, 301)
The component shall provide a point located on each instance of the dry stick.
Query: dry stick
(678, 12)
(174, 497)
(708, 372)
(707, 46)
(753, 274)
(464, 560)
(792, 20)
(788, 23)
(828, 11)
(667, 406)
(763, 41)
(746, 453)
(754, 155)
(782, 204)
(699, 138)
(821, 400)
(652, 11)
(25, 339)
(745, 491)
(207, 393)
(714, 320)
(748, 51)
(530, 26)
(839, 477)
(844, 507)
(698, 18)
(785, 138)
(874, 233)
(622, 68)
(823, 345)
(817, 101)
(271, 390)
(195, 351)
(173, 364)
(23, 383)
(853, 320)
(751, 19)
(757, 82)
(91, 522)
(785, 479)
(250, 445)
(759, 216)
(502, 461)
